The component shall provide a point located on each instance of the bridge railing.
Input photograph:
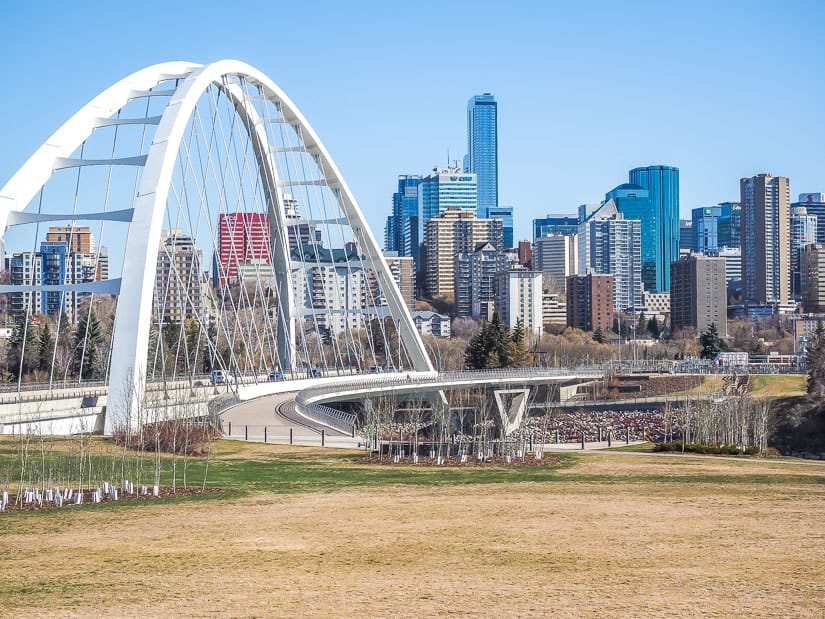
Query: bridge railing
(330, 417)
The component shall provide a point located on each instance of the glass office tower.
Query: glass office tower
(404, 206)
(633, 202)
(482, 149)
(555, 224)
(706, 228)
(505, 214)
(446, 188)
(662, 183)
(729, 224)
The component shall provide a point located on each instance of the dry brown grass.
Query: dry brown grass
(616, 535)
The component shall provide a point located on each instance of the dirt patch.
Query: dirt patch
(650, 386)
(615, 547)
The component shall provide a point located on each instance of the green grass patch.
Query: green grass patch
(778, 384)
(646, 447)
(243, 468)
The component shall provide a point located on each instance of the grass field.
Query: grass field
(773, 385)
(316, 533)
(761, 385)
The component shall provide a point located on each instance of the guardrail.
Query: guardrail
(330, 417)
(414, 378)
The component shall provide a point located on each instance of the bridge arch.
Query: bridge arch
(185, 83)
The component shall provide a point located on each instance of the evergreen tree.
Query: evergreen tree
(815, 359)
(489, 348)
(519, 356)
(517, 335)
(598, 336)
(45, 349)
(88, 351)
(641, 325)
(475, 357)
(711, 342)
(653, 327)
(21, 351)
(500, 344)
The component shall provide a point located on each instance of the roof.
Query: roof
(428, 315)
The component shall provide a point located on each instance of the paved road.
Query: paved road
(277, 415)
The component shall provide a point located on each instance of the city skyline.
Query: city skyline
(549, 79)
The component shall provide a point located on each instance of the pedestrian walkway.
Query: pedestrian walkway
(273, 419)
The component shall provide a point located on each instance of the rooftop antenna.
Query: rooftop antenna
(448, 156)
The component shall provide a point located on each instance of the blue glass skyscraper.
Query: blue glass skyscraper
(730, 224)
(633, 202)
(404, 206)
(662, 183)
(706, 228)
(555, 224)
(505, 214)
(446, 188)
(482, 149)
(715, 227)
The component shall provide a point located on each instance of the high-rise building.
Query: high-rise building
(556, 255)
(520, 299)
(505, 214)
(453, 232)
(687, 237)
(555, 224)
(67, 257)
(633, 202)
(403, 272)
(733, 264)
(178, 279)
(766, 239)
(79, 239)
(715, 227)
(662, 183)
(336, 294)
(525, 254)
(25, 269)
(411, 238)
(553, 311)
(803, 232)
(446, 188)
(610, 244)
(299, 231)
(706, 228)
(812, 265)
(390, 238)
(590, 302)
(482, 149)
(475, 281)
(814, 203)
(698, 294)
(243, 239)
(404, 206)
(729, 224)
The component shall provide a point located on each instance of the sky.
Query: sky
(586, 90)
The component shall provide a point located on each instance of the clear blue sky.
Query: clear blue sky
(586, 90)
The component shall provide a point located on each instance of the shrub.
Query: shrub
(188, 438)
(705, 448)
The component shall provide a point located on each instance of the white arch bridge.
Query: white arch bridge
(186, 230)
